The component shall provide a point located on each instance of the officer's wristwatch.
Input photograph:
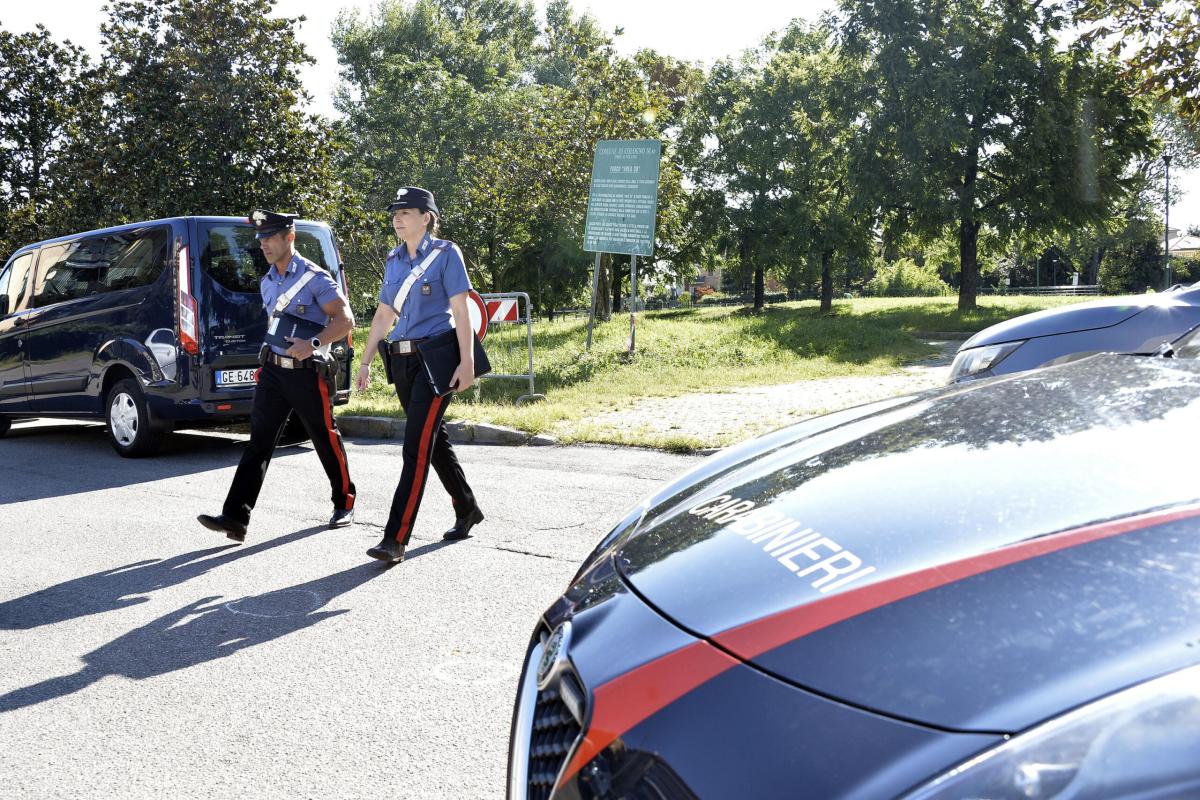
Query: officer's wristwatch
(316, 342)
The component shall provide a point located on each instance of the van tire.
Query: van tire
(127, 420)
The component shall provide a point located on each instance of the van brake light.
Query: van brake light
(188, 336)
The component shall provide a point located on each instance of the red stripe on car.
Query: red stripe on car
(627, 700)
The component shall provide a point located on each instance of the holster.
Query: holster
(262, 354)
(326, 367)
(387, 361)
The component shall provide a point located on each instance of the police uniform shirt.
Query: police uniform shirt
(307, 302)
(426, 312)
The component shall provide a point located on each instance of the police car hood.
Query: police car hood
(932, 560)
(1083, 317)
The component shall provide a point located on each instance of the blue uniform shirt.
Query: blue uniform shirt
(426, 312)
(319, 290)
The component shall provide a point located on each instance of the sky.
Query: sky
(695, 30)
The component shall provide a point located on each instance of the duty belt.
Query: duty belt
(287, 362)
(403, 347)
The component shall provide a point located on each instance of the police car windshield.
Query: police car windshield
(232, 257)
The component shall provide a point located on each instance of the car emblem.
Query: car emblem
(554, 657)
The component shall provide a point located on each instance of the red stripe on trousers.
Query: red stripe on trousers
(335, 443)
(628, 699)
(422, 469)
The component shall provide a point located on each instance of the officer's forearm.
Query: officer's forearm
(339, 327)
(462, 324)
(379, 328)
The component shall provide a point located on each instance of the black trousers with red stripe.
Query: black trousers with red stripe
(426, 443)
(279, 392)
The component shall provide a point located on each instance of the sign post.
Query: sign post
(622, 208)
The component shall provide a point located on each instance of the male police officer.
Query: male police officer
(292, 379)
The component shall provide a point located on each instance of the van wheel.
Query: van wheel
(128, 420)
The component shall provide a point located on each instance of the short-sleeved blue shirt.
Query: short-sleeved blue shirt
(426, 312)
(319, 290)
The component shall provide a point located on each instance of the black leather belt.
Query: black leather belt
(287, 362)
(403, 347)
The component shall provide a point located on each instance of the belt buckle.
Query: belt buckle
(287, 362)
(404, 347)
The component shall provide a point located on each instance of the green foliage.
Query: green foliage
(981, 124)
(904, 278)
(1159, 40)
(44, 85)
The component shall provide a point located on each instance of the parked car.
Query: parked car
(984, 591)
(149, 326)
(1131, 324)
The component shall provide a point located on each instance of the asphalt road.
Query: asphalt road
(142, 655)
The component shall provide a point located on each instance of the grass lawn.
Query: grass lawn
(692, 350)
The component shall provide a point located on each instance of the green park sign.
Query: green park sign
(623, 201)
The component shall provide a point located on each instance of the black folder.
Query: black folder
(441, 358)
(291, 325)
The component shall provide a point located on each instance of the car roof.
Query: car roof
(142, 224)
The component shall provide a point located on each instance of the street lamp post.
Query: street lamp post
(1167, 222)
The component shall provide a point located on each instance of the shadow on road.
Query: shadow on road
(206, 630)
(127, 585)
(61, 460)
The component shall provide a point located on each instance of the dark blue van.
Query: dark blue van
(151, 326)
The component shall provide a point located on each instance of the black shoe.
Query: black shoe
(341, 517)
(462, 526)
(388, 550)
(230, 527)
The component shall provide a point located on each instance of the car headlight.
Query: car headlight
(1143, 742)
(977, 359)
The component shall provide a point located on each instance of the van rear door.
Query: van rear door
(230, 314)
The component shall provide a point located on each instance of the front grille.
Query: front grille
(554, 734)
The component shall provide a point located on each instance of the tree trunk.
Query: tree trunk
(603, 306)
(968, 259)
(826, 282)
(616, 286)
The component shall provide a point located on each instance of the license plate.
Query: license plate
(235, 377)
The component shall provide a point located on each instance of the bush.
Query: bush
(903, 278)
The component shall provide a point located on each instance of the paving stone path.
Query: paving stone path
(724, 417)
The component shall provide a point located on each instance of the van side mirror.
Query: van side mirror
(3, 305)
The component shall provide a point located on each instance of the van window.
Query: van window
(232, 257)
(101, 264)
(13, 283)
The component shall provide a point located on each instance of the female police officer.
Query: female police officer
(423, 298)
(290, 380)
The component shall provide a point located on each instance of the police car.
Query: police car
(1138, 324)
(990, 590)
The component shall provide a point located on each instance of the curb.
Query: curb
(460, 432)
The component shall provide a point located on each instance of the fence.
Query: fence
(509, 348)
(1068, 290)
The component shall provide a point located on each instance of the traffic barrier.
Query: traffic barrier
(510, 350)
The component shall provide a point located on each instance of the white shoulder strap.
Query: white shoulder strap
(285, 299)
(414, 276)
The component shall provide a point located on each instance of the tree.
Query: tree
(975, 115)
(1160, 42)
(44, 85)
(200, 116)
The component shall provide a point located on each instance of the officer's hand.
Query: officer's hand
(300, 348)
(363, 379)
(462, 379)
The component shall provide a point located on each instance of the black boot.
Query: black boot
(341, 517)
(462, 526)
(230, 527)
(388, 550)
